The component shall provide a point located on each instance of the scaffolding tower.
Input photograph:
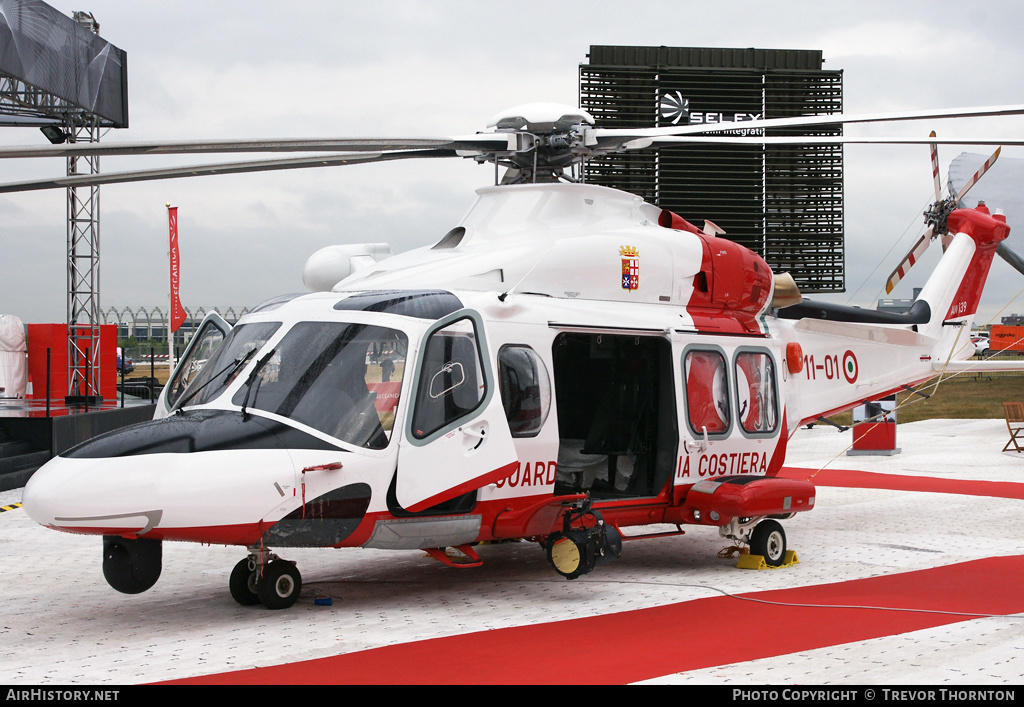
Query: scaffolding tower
(58, 75)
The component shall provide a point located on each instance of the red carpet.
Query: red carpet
(647, 643)
(896, 482)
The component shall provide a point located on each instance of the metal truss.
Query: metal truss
(83, 273)
(18, 98)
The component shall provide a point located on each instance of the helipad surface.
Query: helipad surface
(62, 624)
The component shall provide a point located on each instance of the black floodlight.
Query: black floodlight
(55, 134)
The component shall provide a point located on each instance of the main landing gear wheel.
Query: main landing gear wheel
(769, 541)
(244, 583)
(280, 585)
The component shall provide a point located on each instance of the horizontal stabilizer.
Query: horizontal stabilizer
(919, 313)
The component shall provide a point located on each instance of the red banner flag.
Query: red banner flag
(177, 311)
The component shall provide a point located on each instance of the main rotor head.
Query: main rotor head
(551, 138)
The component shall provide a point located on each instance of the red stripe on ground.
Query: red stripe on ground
(636, 645)
(847, 478)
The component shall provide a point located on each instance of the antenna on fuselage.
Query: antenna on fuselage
(506, 293)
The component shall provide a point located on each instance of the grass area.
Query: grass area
(960, 397)
(143, 369)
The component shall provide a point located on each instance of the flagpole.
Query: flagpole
(176, 314)
(170, 292)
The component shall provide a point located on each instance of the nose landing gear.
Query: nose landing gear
(264, 578)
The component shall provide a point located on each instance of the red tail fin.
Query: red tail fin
(986, 231)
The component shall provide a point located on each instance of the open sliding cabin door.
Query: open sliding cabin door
(456, 437)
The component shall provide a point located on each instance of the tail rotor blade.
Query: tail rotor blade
(908, 262)
(977, 175)
(935, 169)
(1010, 257)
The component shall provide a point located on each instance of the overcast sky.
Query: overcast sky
(330, 69)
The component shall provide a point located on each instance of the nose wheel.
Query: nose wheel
(280, 585)
(274, 583)
(243, 583)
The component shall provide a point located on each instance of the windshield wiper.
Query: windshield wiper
(252, 376)
(230, 369)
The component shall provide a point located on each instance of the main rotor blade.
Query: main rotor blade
(89, 180)
(598, 135)
(908, 262)
(818, 140)
(499, 142)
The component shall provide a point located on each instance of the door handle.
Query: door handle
(479, 433)
(702, 445)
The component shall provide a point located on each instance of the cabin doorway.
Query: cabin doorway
(617, 429)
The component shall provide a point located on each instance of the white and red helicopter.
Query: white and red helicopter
(566, 363)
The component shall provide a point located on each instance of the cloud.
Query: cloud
(222, 70)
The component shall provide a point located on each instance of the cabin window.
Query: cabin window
(339, 378)
(525, 389)
(707, 392)
(451, 383)
(756, 402)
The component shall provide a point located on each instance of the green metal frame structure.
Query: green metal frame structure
(784, 202)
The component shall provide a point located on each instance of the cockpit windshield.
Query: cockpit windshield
(226, 362)
(340, 378)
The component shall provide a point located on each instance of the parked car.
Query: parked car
(125, 365)
(981, 344)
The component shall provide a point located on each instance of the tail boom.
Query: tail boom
(864, 361)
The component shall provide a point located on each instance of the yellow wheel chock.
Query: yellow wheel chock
(756, 562)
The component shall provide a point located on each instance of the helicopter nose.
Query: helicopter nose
(38, 496)
(81, 495)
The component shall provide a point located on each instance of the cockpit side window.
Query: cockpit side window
(342, 379)
(451, 382)
(209, 339)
